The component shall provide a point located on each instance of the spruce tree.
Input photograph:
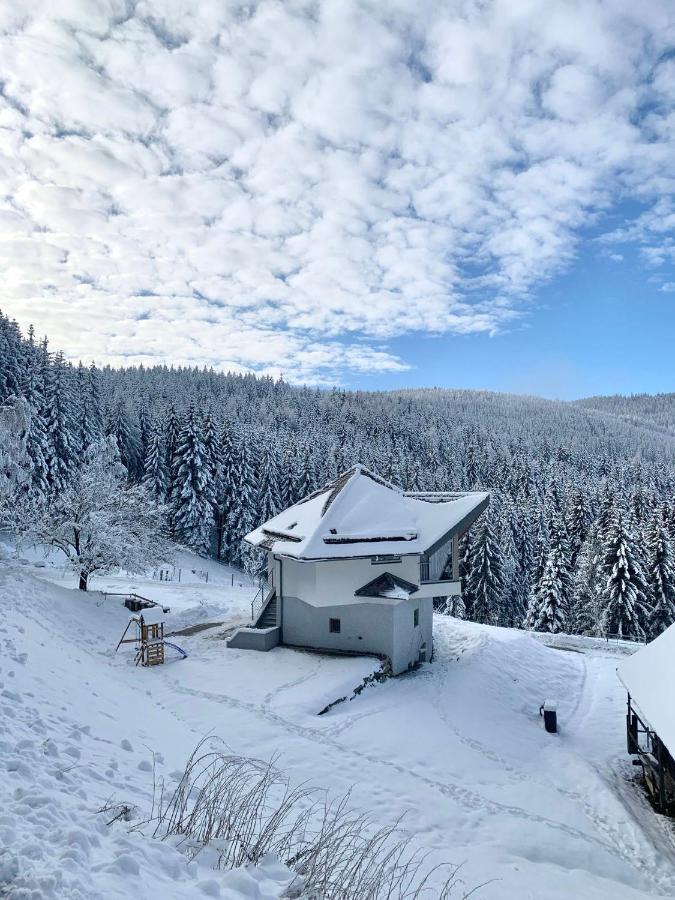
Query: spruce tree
(486, 578)
(155, 475)
(660, 579)
(192, 488)
(226, 477)
(549, 609)
(243, 517)
(122, 424)
(578, 523)
(623, 593)
(585, 617)
(37, 439)
(269, 499)
(89, 422)
(59, 422)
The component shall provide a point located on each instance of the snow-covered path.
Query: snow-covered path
(457, 747)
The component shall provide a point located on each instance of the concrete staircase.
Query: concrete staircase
(264, 633)
(268, 615)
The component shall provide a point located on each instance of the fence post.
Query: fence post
(207, 577)
(179, 571)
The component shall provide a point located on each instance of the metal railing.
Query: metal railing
(260, 600)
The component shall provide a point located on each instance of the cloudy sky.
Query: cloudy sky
(370, 192)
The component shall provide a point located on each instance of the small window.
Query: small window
(334, 626)
(416, 618)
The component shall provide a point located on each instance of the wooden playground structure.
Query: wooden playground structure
(148, 638)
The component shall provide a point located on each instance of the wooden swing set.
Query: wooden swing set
(149, 637)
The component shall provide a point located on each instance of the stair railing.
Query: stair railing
(257, 602)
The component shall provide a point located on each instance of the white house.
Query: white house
(355, 567)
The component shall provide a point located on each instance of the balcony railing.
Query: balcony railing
(427, 576)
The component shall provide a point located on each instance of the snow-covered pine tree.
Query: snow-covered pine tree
(542, 545)
(122, 424)
(288, 476)
(549, 609)
(172, 427)
(59, 421)
(526, 559)
(210, 438)
(578, 521)
(11, 359)
(485, 581)
(155, 475)
(192, 495)
(660, 578)
(15, 463)
(243, 516)
(89, 423)
(226, 478)
(512, 607)
(623, 594)
(269, 499)
(641, 505)
(307, 479)
(585, 618)
(37, 439)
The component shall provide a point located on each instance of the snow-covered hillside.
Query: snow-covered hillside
(457, 746)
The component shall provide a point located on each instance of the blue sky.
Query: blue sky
(354, 192)
(603, 327)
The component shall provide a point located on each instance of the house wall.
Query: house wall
(315, 592)
(408, 639)
(376, 627)
(334, 581)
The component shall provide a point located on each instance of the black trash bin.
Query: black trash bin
(549, 711)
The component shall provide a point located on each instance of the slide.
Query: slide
(180, 650)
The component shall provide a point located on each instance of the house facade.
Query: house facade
(356, 567)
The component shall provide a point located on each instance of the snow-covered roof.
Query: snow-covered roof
(648, 676)
(361, 514)
(151, 615)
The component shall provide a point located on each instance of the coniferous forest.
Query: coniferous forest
(581, 528)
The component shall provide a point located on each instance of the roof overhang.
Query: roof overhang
(460, 527)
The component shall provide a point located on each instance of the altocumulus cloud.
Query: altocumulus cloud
(284, 186)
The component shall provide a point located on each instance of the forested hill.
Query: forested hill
(574, 489)
(654, 411)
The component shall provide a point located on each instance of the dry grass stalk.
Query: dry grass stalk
(247, 809)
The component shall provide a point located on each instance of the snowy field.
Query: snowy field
(457, 746)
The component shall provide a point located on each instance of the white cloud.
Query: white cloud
(284, 186)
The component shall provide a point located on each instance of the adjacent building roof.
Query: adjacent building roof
(648, 676)
(387, 585)
(361, 514)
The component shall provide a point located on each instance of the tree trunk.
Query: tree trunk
(83, 581)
